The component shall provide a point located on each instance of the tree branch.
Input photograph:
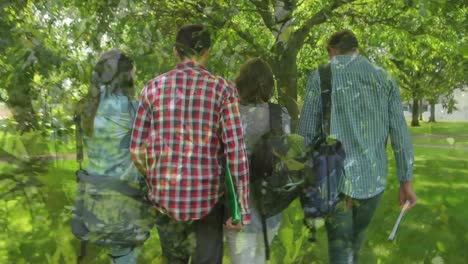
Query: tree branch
(262, 7)
(226, 21)
(365, 18)
(320, 17)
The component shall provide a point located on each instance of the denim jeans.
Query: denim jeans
(199, 241)
(346, 226)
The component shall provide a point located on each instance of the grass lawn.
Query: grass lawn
(35, 228)
(454, 142)
(441, 128)
(446, 134)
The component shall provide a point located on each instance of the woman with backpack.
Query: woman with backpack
(110, 210)
(255, 85)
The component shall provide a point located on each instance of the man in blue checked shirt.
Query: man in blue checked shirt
(366, 109)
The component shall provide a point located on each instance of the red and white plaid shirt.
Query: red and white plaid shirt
(176, 136)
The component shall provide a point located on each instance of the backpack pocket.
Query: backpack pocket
(111, 218)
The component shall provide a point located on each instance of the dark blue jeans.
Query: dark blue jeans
(199, 241)
(346, 226)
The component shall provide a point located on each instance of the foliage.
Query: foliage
(48, 47)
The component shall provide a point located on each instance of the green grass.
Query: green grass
(441, 128)
(36, 217)
(455, 142)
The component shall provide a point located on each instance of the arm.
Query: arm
(141, 126)
(401, 145)
(310, 119)
(236, 155)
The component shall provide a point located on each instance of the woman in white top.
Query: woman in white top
(255, 84)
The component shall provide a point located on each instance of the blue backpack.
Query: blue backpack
(325, 167)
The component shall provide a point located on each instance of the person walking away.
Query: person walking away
(185, 118)
(111, 212)
(255, 84)
(366, 109)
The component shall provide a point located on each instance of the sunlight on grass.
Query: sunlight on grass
(456, 186)
(442, 128)
(437, 260)
(382, 250)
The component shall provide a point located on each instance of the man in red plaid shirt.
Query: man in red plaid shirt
(186, 117)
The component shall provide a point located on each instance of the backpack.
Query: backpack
(276, 165)
(326, 165)
(109, 211)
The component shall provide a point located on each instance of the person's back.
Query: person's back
(255, 84)
(110, 208)
(186, 105)
(365, 110)
(187, 122)
(107, 148)
(361, 118)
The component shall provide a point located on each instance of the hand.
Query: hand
(233, 227)
(407, 194)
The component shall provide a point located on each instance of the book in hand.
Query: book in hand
(233, 204)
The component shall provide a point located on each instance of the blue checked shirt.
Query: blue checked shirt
(366, 109)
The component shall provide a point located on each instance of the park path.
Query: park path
(438, 136)
(441, 136)
(441, 146)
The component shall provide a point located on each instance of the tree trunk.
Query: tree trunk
(415, 113)
(285, 69)
(432, 117)
(420, 110)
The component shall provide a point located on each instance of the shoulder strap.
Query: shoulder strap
(276, 123)
(79, 140)
(326, 91)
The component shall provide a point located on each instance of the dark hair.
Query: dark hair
(343, 41)
(255, 81)
(192, 40)
(114, 70)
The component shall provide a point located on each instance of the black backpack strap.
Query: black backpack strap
(265, 237)
(276, 128)
(276, 122)
(326, 91)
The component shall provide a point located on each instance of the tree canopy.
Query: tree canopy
(47, 48)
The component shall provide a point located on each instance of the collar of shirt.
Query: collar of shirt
(190, 64)
(344, 59)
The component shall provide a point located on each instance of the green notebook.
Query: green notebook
(234, 211)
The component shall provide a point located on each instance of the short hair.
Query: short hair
(343, 41)
(192, 40)
(255, 81)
